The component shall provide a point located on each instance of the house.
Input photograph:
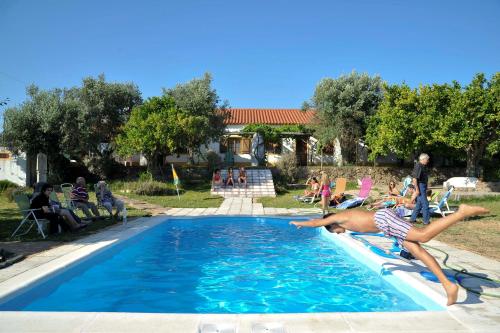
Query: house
(19, 169)
(242, 145)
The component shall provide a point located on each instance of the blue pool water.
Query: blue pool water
(220, 265)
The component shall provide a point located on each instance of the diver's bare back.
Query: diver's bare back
(356, 220)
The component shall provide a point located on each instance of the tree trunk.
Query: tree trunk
(474, 154)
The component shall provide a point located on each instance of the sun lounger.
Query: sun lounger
(364, 193)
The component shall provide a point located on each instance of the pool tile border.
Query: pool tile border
(40, 266)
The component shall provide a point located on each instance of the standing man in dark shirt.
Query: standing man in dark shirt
(420, 178)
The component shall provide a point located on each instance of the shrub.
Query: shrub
(153, 188)
(213, 161)
(10, 191)
(145, 176)
(7, 184)
(288, 168)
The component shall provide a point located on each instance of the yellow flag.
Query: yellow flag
(174, 174)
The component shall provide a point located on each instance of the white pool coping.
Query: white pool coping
(25, 321)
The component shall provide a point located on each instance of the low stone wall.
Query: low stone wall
(383, 175)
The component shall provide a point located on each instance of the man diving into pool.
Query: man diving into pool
(409, 237)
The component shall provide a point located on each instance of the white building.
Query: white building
(17, 168)
(242, 145)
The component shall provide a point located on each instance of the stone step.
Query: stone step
(259, 184)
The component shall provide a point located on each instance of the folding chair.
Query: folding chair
(66, 189)
(29, 217)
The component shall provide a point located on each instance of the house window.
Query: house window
(236, 145)
(274, 148)
(233, 144)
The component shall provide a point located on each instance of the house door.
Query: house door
(301, 151)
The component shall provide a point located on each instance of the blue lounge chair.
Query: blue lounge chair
(439, 208)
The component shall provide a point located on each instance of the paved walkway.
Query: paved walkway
(230, 206)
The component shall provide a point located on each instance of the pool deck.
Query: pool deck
(471, 314)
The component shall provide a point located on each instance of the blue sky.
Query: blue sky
(261, 53)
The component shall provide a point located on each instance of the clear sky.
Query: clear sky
(261, 53)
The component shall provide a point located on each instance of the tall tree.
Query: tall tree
(185, 117)
(151, 130)
(32, 127)
(95, 112)
(200, 113)
(391, 129)
(343, 106)
(77, 122)
(472, 121)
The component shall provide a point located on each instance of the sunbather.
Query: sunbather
(393, 191)
(395, 201)
(408, 237)
(313, 182)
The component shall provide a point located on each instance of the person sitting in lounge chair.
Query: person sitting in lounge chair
(394, 201)
(393, 191)
(55, 204)
(313, 182)
(216, 179)
(80, 199)
(407, 236)
(44, 211)
(242, 177)
(106, 198)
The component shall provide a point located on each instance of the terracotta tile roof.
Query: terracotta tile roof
(269, 116)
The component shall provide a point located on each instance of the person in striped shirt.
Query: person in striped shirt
(408, 237)
(80, 199)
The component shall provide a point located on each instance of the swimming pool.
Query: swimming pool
(223, 265)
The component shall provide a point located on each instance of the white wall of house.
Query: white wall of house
(288, 145)
(14, 168)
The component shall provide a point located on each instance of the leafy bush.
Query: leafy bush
(213, 160)
(288, 168)
(10, 191)
(145, 176)
(6, 184)
(153, 188)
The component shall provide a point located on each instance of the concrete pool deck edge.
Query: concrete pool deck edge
(62, 257)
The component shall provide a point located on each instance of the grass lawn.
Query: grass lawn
(10, 218)
(480, 235)
(193, 196)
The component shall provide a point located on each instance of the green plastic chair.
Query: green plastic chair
(66, 190)
(29, 218)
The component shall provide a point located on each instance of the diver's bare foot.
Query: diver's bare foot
(452, 293)
(467, 210)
